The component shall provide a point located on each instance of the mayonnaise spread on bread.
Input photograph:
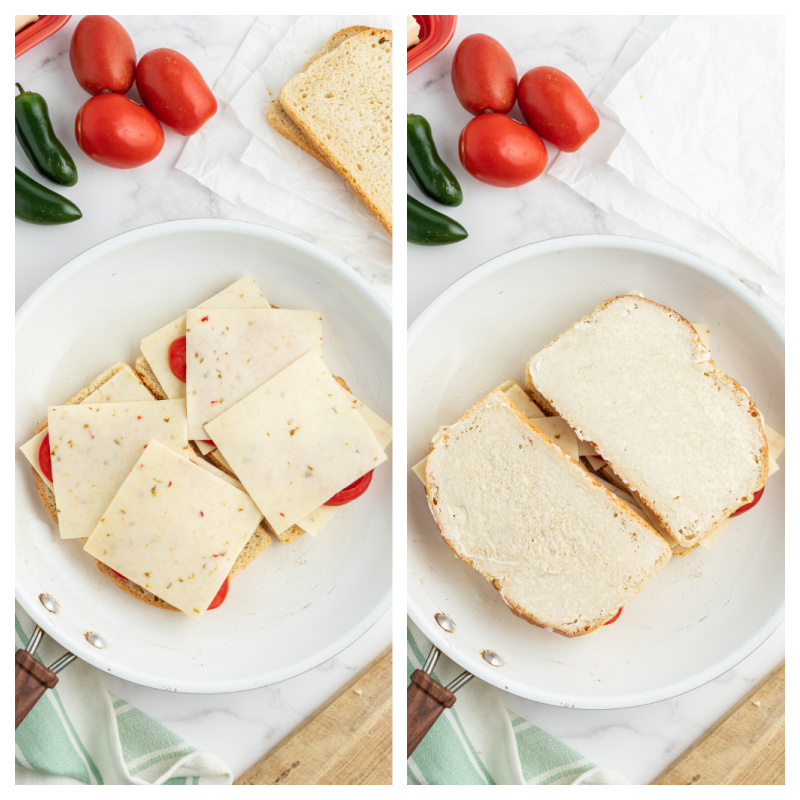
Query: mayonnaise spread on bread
(174, 529)
(94, 447)
(562, 550)
(296, 441)
(633, 379)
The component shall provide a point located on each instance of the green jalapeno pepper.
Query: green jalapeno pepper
(426, 167)
(427, 226)
(40, 205)
(39, 141)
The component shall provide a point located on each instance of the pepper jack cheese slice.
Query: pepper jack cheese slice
(93, 448)
(122, 387)
(230, 352)
(296, 441)
(155, 347)
(174, 529)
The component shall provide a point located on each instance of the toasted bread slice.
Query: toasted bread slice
(282, 122)
(634, 380)
(343, 105)
(562, 550)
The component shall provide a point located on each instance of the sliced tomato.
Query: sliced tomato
(748, 506)
(614, 618)
(220, 596)
(208, 441)
(45, 464)
(177, 358)
(118, 574)
(351, 492)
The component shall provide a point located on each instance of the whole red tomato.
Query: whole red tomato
(174, 90)
(500, 151)
(484, 76)
(556, 108)
(102, 55)
(117, 132)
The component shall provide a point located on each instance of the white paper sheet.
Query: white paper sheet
(222, 156)
(687, 151)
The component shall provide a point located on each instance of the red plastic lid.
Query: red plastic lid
(435, 31)
(37, 31)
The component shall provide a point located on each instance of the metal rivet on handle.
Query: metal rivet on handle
(445, 623)
(96, 640)
(50, 603)
(490, 657)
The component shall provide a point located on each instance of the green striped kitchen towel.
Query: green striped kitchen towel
(79, 733)
(478, 741)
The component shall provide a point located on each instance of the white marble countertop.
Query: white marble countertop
(638, 742)
(240, 728)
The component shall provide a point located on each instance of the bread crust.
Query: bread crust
(432, 492)
(687, 543)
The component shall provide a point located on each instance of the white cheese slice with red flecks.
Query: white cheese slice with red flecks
(174, 528)
(155, 347)
(122, 387)
(93, 447)
(230, 352)
(296, 441)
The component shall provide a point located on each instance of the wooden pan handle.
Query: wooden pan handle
(31, 680)
(425, 701)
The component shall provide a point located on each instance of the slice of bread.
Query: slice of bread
(282, 122)
(634, 380)
(563, 551)
(343, 105)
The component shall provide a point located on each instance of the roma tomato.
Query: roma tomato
(500, 151)
(556, 108)
(102, 55)
(117, 132)
(177, 358)
(740, 510)
(174, 90)
(351, 492)
(484, 76)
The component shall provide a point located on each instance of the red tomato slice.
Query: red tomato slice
(45, 464)
(351, 492)
(614, 618)
(220, 596)
(118, 574)
(177, 358)
(208, 441)
(745, 507)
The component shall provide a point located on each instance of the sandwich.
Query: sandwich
(635, 382)
(122, 466)
(562, 550)
(77, 484)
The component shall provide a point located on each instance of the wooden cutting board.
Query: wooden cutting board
(347, 741)
(745, 748)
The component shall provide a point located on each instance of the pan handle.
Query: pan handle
(426, 700)
(31, 678)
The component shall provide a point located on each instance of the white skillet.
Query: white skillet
(701, 614)
(296, 605)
